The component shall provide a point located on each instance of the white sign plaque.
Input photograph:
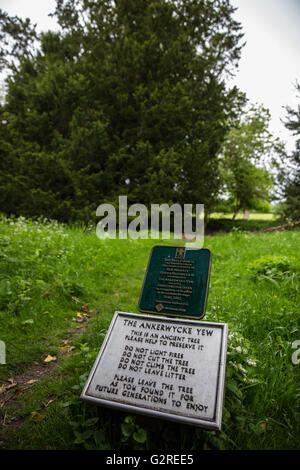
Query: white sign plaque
(167, 368)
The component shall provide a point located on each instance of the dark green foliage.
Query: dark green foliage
(228, 225)
(292, 187)
(246, 161)
(290, 173)
(129, 98)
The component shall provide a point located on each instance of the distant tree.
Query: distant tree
(290, 173)
(246, 159)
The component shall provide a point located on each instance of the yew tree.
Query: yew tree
(130, 97)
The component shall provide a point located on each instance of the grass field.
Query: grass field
(59, 288)
(241, 216)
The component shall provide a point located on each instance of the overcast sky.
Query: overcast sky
(270, 63)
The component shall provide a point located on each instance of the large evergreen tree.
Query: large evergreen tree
(129, 98)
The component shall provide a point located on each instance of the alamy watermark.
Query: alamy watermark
(296, 354)
(2, 353)
(155, 224)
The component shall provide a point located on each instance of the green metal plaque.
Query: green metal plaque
(176, 282)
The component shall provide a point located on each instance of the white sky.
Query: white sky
(270, 65)
(36, 10)
(270, 61)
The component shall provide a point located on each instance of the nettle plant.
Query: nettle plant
(241, 381)
(274, 268)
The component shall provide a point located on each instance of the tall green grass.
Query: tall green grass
(48, 271)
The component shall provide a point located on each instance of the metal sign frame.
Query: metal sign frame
(212, 424)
